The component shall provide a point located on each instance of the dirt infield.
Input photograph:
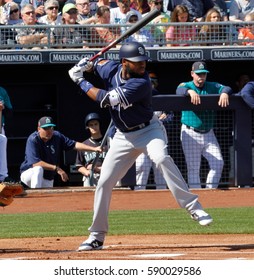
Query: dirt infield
(178, 247)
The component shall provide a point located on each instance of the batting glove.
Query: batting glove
(85, 65)
(76, 74)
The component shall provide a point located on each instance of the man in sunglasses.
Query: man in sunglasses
(44, 148)
(31, 37)
(37, 4)
(71, 37)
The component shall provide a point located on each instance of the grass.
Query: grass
(174, 221)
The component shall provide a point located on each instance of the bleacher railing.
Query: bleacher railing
(200, 34)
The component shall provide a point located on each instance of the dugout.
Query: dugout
(38, 84)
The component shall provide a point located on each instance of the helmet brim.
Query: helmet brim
(137, 58)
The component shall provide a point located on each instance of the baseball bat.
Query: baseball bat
(103, 142)
(134, 28)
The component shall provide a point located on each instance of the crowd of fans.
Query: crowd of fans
(93, 23)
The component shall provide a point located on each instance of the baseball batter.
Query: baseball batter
(128, 96)
(197, 135)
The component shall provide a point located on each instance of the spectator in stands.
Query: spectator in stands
(140, 5)
(143, 35)
(52, 16)
(246, 34)
(221, 6)
(14, 13)
(197, 8)
(180, 35)
(102, 36)
(239, 9)
(43, 152)
(84, 12)
(9, 12)
(32, 37)
(197, 135)
(214, 34)
(71, 37)
(5, 111)
(119, 14)
(12, 16)
(4, 12)
(84, 160)
(37, 4)
(158, 31)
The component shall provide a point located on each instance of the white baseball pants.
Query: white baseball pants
(194, 146)
(143, 167)
(33, 178)
(3, 156)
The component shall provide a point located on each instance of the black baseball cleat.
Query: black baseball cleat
(91, 245)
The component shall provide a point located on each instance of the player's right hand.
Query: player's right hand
(85, 65)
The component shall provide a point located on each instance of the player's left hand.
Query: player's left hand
(76, 74)
(85, 65)
(224, 100)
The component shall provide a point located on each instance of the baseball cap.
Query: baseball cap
(45, 122)
(68, 7)
(199, 67)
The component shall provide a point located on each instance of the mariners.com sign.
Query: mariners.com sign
(160, 55)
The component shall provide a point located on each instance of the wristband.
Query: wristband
(85, 86)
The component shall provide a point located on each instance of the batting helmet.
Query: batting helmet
(92, 116)
(133, 51)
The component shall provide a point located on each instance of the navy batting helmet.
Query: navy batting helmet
(92, 116)
(133, 51)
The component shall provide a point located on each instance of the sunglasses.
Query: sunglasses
(29, 13)
(52, 8)
(14, 11)
(157, 3)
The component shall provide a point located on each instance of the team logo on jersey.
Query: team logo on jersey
(53, 151)
(141, 51)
